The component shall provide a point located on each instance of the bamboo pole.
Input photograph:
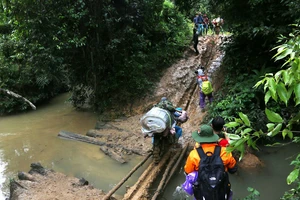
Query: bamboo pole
(177, 163)
(108, 195)
(166, 173)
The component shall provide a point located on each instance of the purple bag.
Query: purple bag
(189, 180)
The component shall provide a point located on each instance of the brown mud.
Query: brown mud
(121, 137)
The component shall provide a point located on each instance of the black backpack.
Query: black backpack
(213, 181)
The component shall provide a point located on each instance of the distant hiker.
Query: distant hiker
(218, 23)
(198, 24)
(218, 127)
(212, 163)
(196, 19)
(206, 24)
(205, 88)
(196, 41)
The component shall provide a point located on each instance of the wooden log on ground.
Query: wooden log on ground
(140, 190)
(183, 152)
(165, 175)
(108, 195)
(113, 154)
(78, 137)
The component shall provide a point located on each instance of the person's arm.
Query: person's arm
(229, 161)
(190, 165)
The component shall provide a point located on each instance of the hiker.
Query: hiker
(209, 188)
(198, 24)
(206, 24)
(196, 40)
(205, 88)
(166, 104)
(218, 23)
(218, 127)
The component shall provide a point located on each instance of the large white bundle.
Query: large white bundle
(155, 120)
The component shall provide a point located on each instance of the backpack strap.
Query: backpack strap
(203, 78)
(217, 150)
(201, 152)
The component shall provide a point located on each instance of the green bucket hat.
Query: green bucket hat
(205, 134)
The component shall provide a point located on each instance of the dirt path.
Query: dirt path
(124, 134)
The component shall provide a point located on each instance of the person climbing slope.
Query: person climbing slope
(205, 88)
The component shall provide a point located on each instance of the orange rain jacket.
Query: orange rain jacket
(192, 162)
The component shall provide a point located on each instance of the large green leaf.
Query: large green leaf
(244, 118)
(297, 93)
(270, 126)
(267, 96)
(287, 132)
(283, 54)
(273, 117)
(233, 136)
(293, 176)
(232, 124)
(282, 93)
(275, 131)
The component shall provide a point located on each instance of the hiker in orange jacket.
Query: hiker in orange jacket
(208, 141)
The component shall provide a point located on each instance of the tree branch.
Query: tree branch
(18, 96)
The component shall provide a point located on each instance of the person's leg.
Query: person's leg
(196, 48)
(202, 100)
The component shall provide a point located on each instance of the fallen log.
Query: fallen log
(113, 154)
(183, 152)
(78, 137)
(108, 195)
(140, 190)
(165, 175)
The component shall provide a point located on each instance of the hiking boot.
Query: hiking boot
(203, 110)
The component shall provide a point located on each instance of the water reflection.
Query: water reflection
(32, 137)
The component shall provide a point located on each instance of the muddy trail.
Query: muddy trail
(121, 137)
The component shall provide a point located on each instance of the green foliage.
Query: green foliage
(34, 56)
(236, 96)
(104, 52)
(254, 194)
(255, 26)
(293, 177)
(279, 87)
(127, 54)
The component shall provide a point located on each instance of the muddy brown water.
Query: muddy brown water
(32, 137)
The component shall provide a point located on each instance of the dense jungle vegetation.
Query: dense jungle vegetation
(111, 51)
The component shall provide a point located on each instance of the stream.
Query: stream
(32, 137)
